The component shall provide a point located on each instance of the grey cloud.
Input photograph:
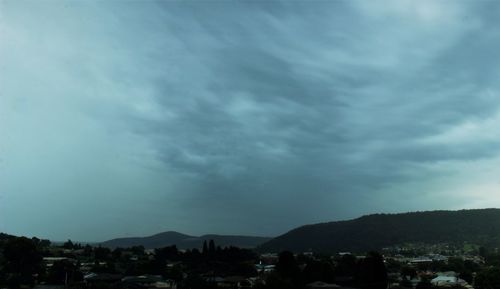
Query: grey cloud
(245, 117)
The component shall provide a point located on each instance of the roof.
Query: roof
(441, 280)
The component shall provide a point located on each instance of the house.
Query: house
(448, 280)
(264, 268)
(49, 261)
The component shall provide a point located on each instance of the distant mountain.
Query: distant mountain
(156, 241)
(183, 241)
(374, 232)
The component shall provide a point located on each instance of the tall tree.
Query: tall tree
(372, 273)
(346, 266)
(211, 247)
(319, 271)
(488, 279)
(205, 248)
(288, 268)
(22, 260)
(64, 272)
(68, 245)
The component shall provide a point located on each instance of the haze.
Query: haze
(128, 118)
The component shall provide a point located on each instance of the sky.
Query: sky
(129, 118)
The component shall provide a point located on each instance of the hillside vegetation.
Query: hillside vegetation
(373, 232)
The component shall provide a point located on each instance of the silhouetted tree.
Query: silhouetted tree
(68, 245)
(424, 284)
(483, 252)
(138, 250)
(175, 273)
(467, 276)
(41, 243)
(194, 281)
(318, 271)
(87, 250)
(288, 268)
(167, 253)
(64, 271)
(488, 278)
(347, 266)
(276, 281)
(405, 283)
(22, 261)
(205, 248)
(102, 253)
(116, 254)
(211, 247)
(408, 271)
(372, 273)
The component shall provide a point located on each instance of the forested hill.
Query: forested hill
(4, 236)
(481, 226)
(183, 241)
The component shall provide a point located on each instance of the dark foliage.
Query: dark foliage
(63, 272)
(372, 273)
(488, 279)
(319, 271)
(383, 230)
(21, 261)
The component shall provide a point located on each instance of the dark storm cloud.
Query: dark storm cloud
(252, 117)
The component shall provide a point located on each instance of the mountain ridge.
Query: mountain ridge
(183, 241)
(375, 231)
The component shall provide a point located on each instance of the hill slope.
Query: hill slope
(480, 226)
(183, 241)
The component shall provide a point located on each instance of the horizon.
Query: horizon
(242, 235)
(242, 117)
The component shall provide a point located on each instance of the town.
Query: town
(35, 263)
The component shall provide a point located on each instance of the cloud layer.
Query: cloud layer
(241, 117)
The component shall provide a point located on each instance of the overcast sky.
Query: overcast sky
(243, 117)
